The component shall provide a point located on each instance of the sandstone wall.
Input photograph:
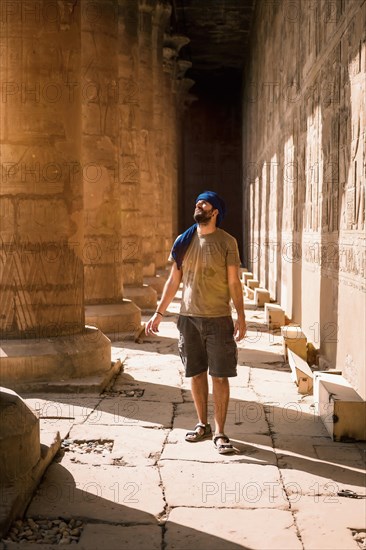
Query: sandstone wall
(304, 119)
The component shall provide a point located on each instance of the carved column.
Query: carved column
(175, 87)
(129, 92)
(161, 104)
(169, 115)
(103, 199)
(148, 168)
(41, 249)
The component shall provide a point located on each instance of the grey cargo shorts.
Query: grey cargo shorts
(207, 343)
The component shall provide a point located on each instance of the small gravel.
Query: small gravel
(126, 393)
(87, 447)
(45, 531)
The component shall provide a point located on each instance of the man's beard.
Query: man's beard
(203, 216)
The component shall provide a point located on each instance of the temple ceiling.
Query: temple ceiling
(219, 35)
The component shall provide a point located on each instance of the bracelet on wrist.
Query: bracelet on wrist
(158, 312)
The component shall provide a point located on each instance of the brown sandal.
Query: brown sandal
(200, 432)
(223, 448)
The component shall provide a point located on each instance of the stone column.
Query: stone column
(182, 100)
(24, 457)
(142, 295)
(175, 93)
(103, 199)
(42, 319)
(148, 168)
(169, 124)
(161, 104)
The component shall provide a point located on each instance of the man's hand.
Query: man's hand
(236, 293)
(169, 291)
(152, 325)
(240, 329)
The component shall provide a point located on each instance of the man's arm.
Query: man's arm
(236, 293)
(169, 291)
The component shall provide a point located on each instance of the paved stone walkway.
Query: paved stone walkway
(126, 472)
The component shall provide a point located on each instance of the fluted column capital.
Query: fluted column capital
(175, 41)
(172, 45)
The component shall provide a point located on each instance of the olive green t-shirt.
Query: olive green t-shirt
(205, 285)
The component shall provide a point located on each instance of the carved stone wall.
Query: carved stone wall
(305, 117)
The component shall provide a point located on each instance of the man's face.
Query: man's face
(203, 212)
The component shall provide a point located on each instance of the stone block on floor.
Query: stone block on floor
(261, 296)
(253, 283)
(246, 276)
(274, 316)
(295, 340)
(301, 373)
(341, 408)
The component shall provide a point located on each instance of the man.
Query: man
(206, 260)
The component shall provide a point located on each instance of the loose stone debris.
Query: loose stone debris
(45, 531)
(126, 393)
(102, 447)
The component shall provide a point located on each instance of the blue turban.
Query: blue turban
(216, 201)
(182, 242)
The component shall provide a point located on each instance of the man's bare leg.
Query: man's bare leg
(199, 387)
(221, 395)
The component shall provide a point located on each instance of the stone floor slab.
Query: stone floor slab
(293, 419)
(231, 529)
(163, 374)
(53, 407)
(147, 358)
(300, 445)
(325, 522)
(256, 449)
(132, 445)
(118, 411)
(242, 378)
(347, 454)
(116, 537)
(243, 417)
(151, 391)
(49, 426)
(105, 493)
(225, 485)
(313, 477)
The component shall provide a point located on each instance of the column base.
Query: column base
(24, 458)
(115, 320)
(49, 364)
(144, 296)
